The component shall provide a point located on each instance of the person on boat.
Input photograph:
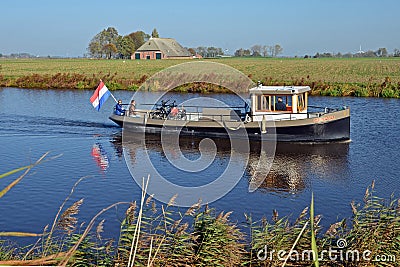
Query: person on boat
(119, 110)
(132, 109)
(174, 111)
(280, 105)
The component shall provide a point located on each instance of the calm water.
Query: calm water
(33, 122)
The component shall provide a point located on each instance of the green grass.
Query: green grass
(377, 77)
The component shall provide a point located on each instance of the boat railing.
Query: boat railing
(198, 109)
(231, 114)
(326, 109)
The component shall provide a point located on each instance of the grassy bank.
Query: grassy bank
(164, 235)
(378, 77)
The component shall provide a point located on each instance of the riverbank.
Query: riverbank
(375, 77)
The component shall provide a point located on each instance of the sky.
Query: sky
(300, 27)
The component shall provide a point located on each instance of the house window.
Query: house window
(158, 55)
(137, 55)
(148, 57)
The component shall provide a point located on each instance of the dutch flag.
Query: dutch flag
(100, 96)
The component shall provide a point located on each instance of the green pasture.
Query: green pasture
(379, 77)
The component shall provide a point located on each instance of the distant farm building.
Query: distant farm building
(161, 48)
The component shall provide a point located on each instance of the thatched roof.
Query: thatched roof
(169, 46)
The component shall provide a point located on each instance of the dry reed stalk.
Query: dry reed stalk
(19, 234)
(158, 249)
(149, 199)
(294, 244)
(49, 260)
(16, 181)
(193, 208)
(67, 222)
(130, 212)
(32, 248)
(135, 239)
(58, 214)
(72, 250)
(171, 202)
(151, 247)
(100, 229)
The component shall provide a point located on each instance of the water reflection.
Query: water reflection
(293, 165)
(100, 156)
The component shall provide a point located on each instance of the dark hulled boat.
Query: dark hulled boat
(260, 119)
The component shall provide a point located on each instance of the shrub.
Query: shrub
(361, 92)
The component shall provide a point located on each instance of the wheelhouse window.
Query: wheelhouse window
(263, 103)
(287, 100)
(301, 102)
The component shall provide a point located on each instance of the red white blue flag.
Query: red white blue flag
(100, 96)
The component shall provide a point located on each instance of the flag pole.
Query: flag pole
(111, 94)
(113, 97)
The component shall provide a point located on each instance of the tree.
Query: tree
(201, 50)
(139, 38)
(242, 52)
(99, 46)
(111, 35)
(256, 50)
(264, 50)
(239, 52)
(246, 53)
(110, 50)
(276, 50)
(125, 47)
(396, 52)
(154, 33)
(382, 52)
(192, 51)
(95, 49)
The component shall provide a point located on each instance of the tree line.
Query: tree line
(380, 52)
(109, 44)
(260, 51)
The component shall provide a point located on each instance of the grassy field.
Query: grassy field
(379, 77)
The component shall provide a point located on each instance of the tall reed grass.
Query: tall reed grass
(154, 234)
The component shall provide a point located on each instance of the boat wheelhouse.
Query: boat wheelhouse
(264, 101)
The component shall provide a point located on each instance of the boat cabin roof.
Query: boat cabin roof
(278, 90)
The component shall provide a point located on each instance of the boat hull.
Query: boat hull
(328, 127)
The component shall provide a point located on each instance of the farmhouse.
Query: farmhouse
(161, 48)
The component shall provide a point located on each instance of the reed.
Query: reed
(200, 236)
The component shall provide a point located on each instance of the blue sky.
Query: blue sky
(65, 28)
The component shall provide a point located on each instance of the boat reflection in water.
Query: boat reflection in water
(288, 170)
(294, 164)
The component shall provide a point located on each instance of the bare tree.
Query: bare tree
(277, 50)
(256, 50)
(382, 52)
(264, 50)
